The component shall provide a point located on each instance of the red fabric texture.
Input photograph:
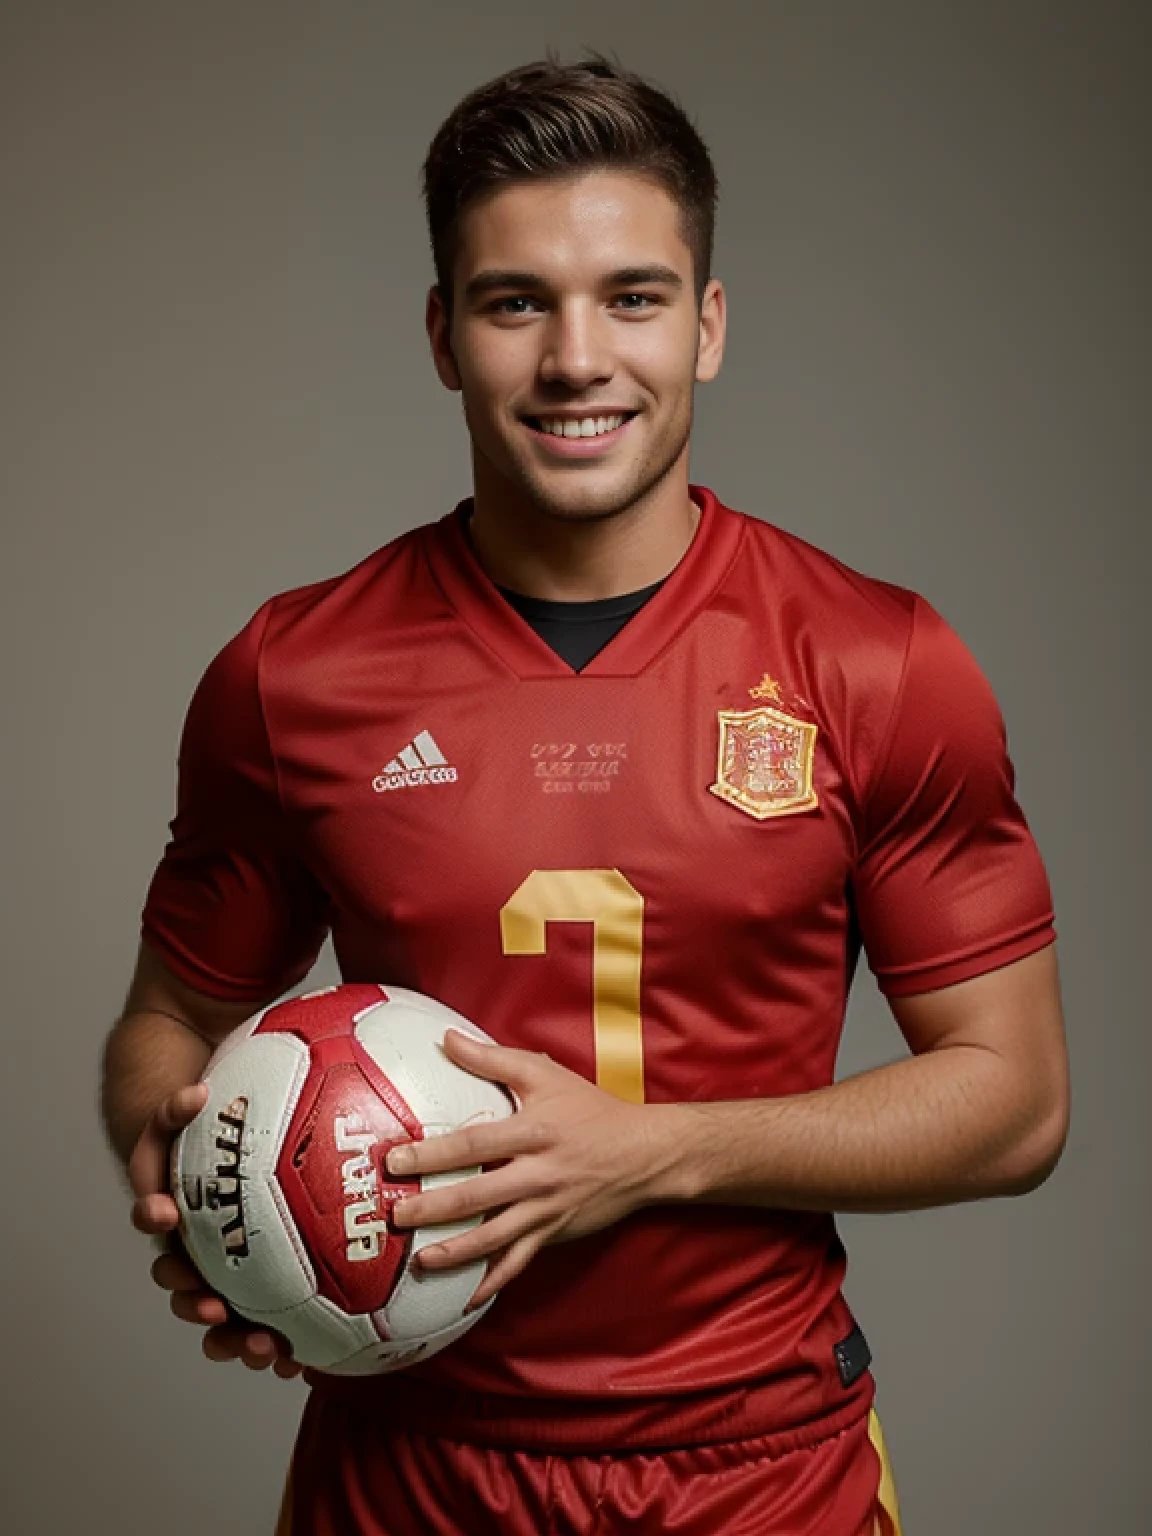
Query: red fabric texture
(719, 1321)
(351, 1478)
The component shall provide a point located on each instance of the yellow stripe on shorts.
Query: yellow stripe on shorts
(888, 1512)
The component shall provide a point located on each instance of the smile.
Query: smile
(584, 426)
(578, 436)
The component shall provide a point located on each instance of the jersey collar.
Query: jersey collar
(687, 589)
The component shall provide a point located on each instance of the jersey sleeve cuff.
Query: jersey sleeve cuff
(905, 981)
(213, 983)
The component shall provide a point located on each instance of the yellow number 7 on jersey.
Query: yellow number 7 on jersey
(615, 908)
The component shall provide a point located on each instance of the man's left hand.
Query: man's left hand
(572, 1160)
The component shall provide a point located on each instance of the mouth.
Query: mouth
(579, 437)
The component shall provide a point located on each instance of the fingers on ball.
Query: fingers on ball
(173, 1273)
(155, 1214)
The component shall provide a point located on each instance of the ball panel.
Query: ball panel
(223, 1166)
(394, 1355)
(405, 1039)
(332, 1172)
(235, 1039)
(420, 1303)
(321, 1334)
(315, 1016)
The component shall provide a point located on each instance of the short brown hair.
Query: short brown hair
(548, 119)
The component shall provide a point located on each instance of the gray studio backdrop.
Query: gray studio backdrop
(936, 240)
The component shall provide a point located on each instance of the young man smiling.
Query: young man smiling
(698, 765)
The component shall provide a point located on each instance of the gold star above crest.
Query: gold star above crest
(766, 688)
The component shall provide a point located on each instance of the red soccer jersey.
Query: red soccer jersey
(659, 870)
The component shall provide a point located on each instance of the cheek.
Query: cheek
(502, 366)
(662, 361)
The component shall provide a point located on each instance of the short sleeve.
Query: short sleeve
(948, 882)
(232, 908)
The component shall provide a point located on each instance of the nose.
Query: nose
(576, 352)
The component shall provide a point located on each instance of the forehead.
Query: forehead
(600, 219)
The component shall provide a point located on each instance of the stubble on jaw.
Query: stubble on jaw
(649, 475)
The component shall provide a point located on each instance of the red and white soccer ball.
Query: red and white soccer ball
(281, 1182)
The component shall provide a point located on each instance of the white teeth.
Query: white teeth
(587, 426)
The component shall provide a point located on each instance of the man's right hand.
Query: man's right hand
(154, 1211)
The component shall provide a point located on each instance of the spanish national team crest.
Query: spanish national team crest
(764, 765)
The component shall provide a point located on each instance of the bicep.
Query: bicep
(155, 988)
(1015, 1012)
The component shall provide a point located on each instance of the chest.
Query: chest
(667, 830)
(721, 807)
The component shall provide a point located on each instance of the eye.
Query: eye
(645, 300)
(501, 306)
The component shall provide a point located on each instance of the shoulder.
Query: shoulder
(824, 587)
(383, 590)
(299, 634)
(849, 635)
(377, 587)
(884, 671)
(862, 619)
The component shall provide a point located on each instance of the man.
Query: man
(698, 765)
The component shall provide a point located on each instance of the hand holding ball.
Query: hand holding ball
(284, 1196)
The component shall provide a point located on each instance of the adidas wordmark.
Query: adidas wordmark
(420, 762)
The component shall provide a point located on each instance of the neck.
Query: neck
(571, 560)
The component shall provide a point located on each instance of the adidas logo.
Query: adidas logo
(420, 762)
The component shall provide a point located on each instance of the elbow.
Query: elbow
(1035, 1159)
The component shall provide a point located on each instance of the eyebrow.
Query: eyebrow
(494, 278)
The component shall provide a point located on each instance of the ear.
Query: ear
(713, 316)
(440, 339)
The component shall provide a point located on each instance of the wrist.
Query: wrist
(149, 1055)
(676, 1174)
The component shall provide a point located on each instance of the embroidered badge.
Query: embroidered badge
(764, 763)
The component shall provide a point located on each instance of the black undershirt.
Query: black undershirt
(579, 631)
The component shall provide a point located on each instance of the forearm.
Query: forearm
(148, 1056)
(945, 1126)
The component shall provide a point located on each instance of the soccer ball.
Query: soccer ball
(283, 1192)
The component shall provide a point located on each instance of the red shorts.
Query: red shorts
(404, 1484)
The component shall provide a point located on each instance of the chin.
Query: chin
(584, 509)
(569, 501)
(588, 493)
